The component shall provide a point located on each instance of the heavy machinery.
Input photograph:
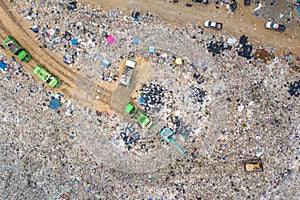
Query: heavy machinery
(46, 76)
(11, 43)
(127, 72)
(139, 116)
(167, 134)
(253, 165)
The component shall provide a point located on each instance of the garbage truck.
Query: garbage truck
(45, 76)
(11, 44)
(138, 115)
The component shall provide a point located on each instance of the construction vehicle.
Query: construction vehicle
(167, 134)
(138, 115)
(127, 73)
(11, 43)
(46, 76)
(253, 165)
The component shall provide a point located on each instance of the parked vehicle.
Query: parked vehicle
(127, 73)
(214, 25)
(274, 26)
(138, 115)
(46, 76)
(11, 44)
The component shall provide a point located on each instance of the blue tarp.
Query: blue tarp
(54, 104)
(3, 66)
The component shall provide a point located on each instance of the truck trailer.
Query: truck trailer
(46, 76)
(138, 115)
(11, 44)
(127, 73)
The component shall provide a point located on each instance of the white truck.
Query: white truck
(127, 73)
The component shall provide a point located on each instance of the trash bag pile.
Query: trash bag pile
(245, 49)
(294, 89)
(197, 94)
(217, 47)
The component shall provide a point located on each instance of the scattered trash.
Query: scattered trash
(253, 165)
(135, 41)
(294, 89)
(135, 14)
(246, 49)
(35, 29)
(231, 41)
(72, 5)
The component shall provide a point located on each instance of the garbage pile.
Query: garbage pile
(294, 89)
(129, 136)
(197, 94)
(216, 47)
(233, 5)
(151, 95)
(245, 48)
(72, 5)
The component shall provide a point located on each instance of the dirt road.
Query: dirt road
(73, 83)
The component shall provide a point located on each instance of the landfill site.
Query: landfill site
(150, 99)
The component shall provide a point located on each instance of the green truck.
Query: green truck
(140, 117)
(46, 76)
(11, 43)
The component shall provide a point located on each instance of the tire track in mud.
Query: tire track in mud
(58, 68)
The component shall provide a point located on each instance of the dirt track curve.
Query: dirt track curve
(73, 84)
